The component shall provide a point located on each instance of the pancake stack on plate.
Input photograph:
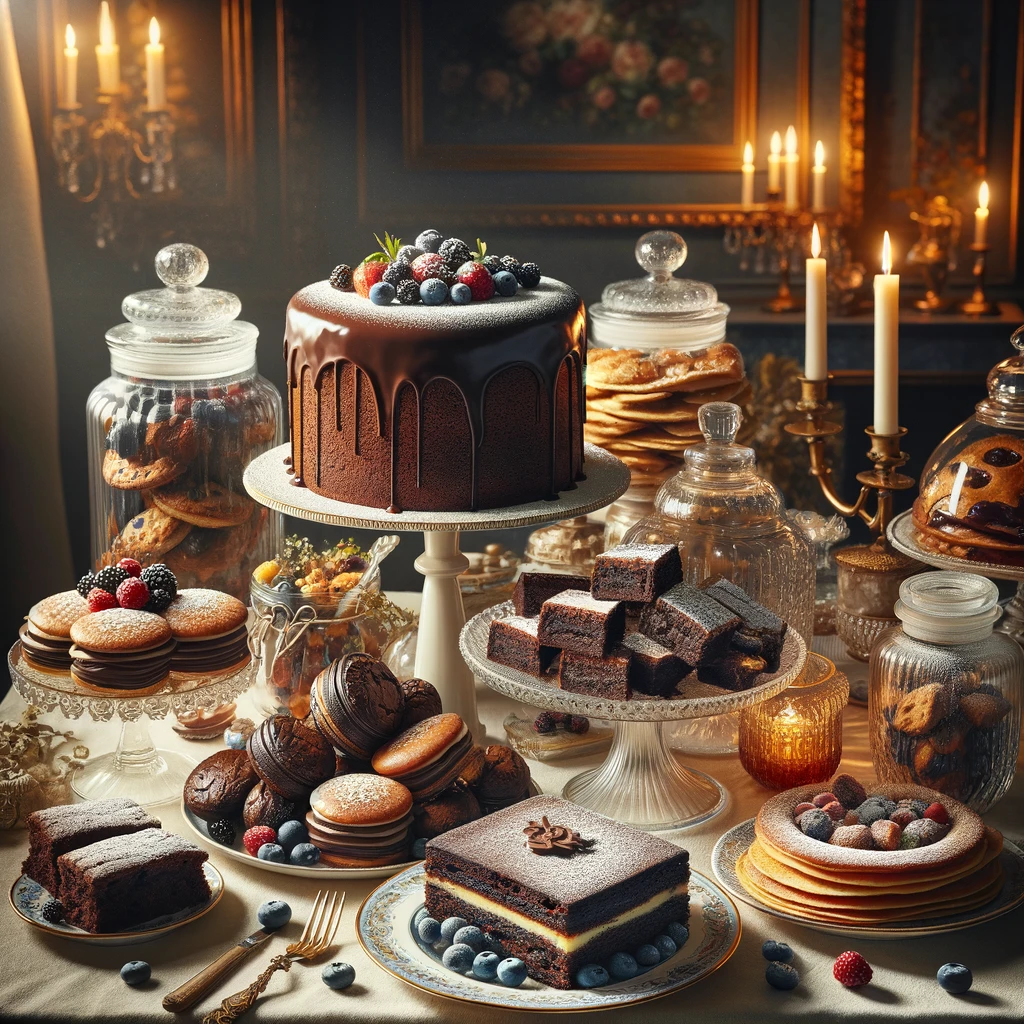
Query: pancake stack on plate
(827, 884)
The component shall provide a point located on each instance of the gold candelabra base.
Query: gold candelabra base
(977, 304)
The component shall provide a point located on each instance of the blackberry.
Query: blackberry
(455, 252)
(397, 272)
(85, 584)
(53, 911)
(492, 263)
(544, 723)
(512, 265)
(110, 578)
(158, 600)
(159, 577)
(408, 293)
(528, 275)
(222, 831)
(341, 277)
(578, 724)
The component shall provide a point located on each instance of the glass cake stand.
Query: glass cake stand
(641, 782)
(442, 615)
(136, 768)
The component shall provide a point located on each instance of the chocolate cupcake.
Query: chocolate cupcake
(505, 779)
(454, 807)
(290, 758)
(421, 701)
(218, 786)
(265, 807)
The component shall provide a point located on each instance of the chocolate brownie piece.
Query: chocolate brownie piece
(758, 625)
(653, 669)
(734, 670)
(597, 677)
(534, 588)
(690, 622)
(513, 642)
(636, 572)
(575, 621)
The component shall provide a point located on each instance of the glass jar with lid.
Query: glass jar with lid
(945, 691)
(172, 429)
(728, 520)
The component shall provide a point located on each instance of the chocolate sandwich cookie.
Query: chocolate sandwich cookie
(360, 820)
(291, 758)
(356, 703)
(209, 505)
(46, 635)
(265, 807)
(121, 649)
(427, 757)
(456, 806)
(210, 628)
(218, 786)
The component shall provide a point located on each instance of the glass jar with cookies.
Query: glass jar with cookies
(172, 429)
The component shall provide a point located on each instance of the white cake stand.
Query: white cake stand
(641, 782)
(441, 613)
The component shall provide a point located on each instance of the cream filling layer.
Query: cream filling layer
(566, 943)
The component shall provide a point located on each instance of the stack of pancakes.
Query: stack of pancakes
(826, 884)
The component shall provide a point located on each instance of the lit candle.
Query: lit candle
(108, 53)
(774, 158)
(818, 179)
(815, 324)
(887, 347)
(156, 93)
(747, 194)
(70, 68)
(792, 166)
(981, 215)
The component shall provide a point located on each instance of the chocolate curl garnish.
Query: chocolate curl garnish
(543, 837)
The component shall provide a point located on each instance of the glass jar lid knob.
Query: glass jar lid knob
(719, 422)
(660, 253)
(181, 266)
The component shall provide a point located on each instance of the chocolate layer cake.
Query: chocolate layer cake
(436, 407)
(126, 880)
(56, 830)
(557, 885)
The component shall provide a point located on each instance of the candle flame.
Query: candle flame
(107, 37)
(819, 155)
(69, 37)
(154, 32)
(776, 144)
(983, 196)
(790, 141)
(748, 153)
(815, 241)
(886, 254)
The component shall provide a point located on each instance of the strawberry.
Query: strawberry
(429, 265)
(478, 278)
(256, 836)
(937, 812)
(132, 593)
(131, 566)
(851, 969)
(367, 274)
(100, 600)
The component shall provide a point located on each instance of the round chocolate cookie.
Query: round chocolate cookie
(218, 786)
(265, 807)
(427, 757)
(505, 778)
(421, 701)
(290, 758)
(454, 807)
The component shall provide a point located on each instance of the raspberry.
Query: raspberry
(85, 584)
(851, 969)
(834, 810)
(255, 837)
(130, 566)
(222, 831)
(132, 593)
(100, 600)
(937, 812)
(478, 278)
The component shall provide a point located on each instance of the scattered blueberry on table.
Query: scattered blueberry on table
(955, 978)
(136, 972)
(338, 975)
(779, 951)
(781, 975)
(274, 914)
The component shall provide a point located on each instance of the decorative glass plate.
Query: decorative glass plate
(27, 898)
(737, 840)
(384, 929)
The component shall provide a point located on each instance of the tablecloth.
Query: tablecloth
(44, 978)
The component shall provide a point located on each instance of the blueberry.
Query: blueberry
(409, 253)
(780, 975)
(433, 291)
(291, 833)
(512, 972)
(485, 965)
(505, 283)
(274, 914)
(136, 972)
(647, 955)
(816, 824)
(421, 915)
(622, 967)
(429, 240)
(591, 975)
(778, 951)
(419, 848)
(678, 932)
(304, 854)
(124, 439)
(127, 505)
(338, 975)
(461, 294)
(459, 957)
(665, 946)
(450, 925)
(429, 930)
(955, 978)
(470, 936)
(272, 852)
(382, 293)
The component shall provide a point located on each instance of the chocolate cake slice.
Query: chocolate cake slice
(653, 669)
(117, 883)
(756, 622)
(636, 572)
(690, 622)
(56, 830)
(597, 677)
(534, 588)
(557, 885)
(513, 642)
(575, 621)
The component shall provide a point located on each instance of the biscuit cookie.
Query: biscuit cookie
(133, 475)
(55, 615)
(174, 438)
(197, 613)
(151, 534)
(922, 709)
(210, 506)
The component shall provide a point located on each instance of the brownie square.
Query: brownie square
(597, 677)
(636, 572)
(734, 670)
(534, 588)
(690, 622)
(654, 670)
(575, 621)
(513, 642)
(761, 630)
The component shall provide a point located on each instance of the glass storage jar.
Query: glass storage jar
(944, 699)
(172, 429)
(728, 520)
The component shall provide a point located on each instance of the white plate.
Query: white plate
(384, 929)
(27, 898)
(738, 839)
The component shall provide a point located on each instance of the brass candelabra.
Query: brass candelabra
(977, 304)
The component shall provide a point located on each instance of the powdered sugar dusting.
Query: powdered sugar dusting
(69, 819)
(58, 612)
(119, 629)
(197, 611)
(643, 552)
(581, 599)
(135, 850)
(648, 647)
(358, 794)
(523, 622)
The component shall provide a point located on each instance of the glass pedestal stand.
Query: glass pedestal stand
(641, 782)
(441, 613)
(135, 768)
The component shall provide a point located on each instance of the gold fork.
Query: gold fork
(315, 938)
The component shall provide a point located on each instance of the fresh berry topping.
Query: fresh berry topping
(433, 292)
(53, 911)
(222, 831)
(851, 969)
(834, 810)
(100, 600)
(461, 294)
(492, 263)
(937, 812)
(511, 264)
(429, 240)
(409, 253)
(505, 283)
(133, 593)
(130, 566)
(478, 278)
(431, 265)
(382, 293)
(528, 275)
(85, 584)
(408, 293)
(397, 272)
(578, 724)
(781, 976)
(816, 824)
(110, 578)
(273, 852)
(455, 252)
(253, 838)
(366, 275)
(341, 277)
(544, 723)
(159, 577)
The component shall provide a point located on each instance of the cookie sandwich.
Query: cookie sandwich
(46, 634)
(210, 630)
(121, 649)
(428, 757)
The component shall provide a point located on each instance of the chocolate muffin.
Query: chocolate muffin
(290, 758)
(265, 807)
(505, 779)
(421, 701)
(218, 786)
(454, 807)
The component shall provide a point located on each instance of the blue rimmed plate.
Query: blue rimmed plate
(385, 932)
